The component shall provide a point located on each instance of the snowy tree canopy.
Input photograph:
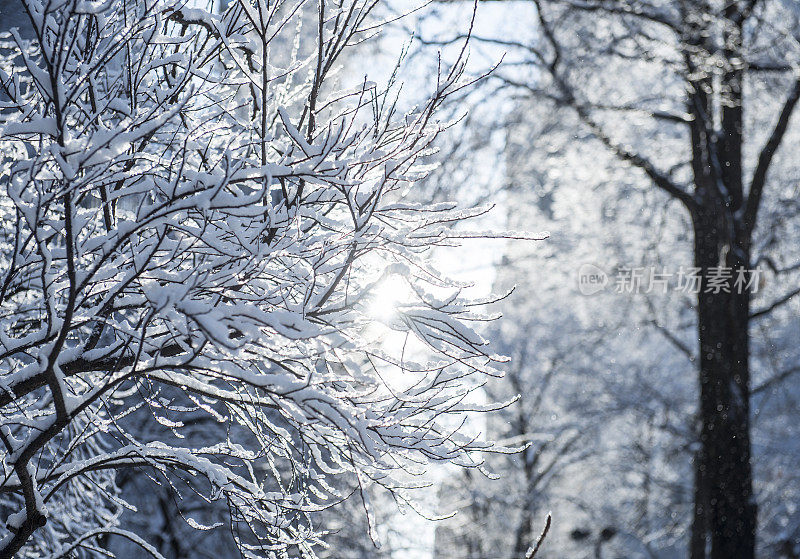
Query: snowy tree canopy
(195, 225)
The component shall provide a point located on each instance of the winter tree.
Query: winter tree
(695, 102)
(196, 228)
(606, 396)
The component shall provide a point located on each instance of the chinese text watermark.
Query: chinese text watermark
(654, 279)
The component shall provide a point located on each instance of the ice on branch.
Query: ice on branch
(190, 228)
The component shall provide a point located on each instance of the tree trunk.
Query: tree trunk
(725, 511)
(724, 474)
(524, 532)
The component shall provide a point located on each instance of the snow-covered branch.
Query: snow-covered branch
(194, 221)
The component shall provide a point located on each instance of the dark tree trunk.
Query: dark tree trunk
(725, 512)
(725, 477)
(523, 537)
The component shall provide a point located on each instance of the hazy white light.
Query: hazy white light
(387, 296)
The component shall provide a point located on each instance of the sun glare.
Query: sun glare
(387, 296)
